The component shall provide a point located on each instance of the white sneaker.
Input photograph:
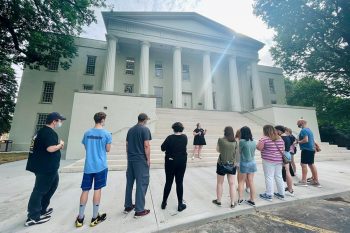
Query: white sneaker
(247, 190)
(291, 194)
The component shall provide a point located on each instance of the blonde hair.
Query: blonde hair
(270, 131)
(238, 134)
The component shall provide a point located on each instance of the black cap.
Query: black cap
(143, 117)
(280, 128)
(54, 116)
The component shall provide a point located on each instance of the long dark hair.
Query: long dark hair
(229, 134)
(246, 133)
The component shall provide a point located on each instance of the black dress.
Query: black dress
(199, 139)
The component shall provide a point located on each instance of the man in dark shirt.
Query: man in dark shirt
(44, 161)
(138, 150)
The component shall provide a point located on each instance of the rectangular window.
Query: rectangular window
(41, 121)
(53, 65)
(88, 87)
(48, 91)
(90, 65)
(158, 92)
(128, 88)
(185, 72)
(273, 102)
(158, 70)
(130, 66)
(272, 86)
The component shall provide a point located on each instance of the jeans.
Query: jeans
(273, 171)
(44, 188)
(139, 171)
(174, 168)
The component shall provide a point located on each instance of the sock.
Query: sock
(95, 210)
(81, 211)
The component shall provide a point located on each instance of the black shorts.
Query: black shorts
(307, 157)
(221, 172)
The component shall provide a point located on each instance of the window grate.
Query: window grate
(48, 91)
(158, 70)
(185, 72)
(128, 88)
(90, 65)
(130, 66)
(88, 87)
(41, 121)
(272, 86)
(53, 65)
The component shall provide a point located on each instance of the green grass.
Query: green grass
(12, 157)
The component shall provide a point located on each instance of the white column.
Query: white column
(257, 92)
(208, 89)
(108, 76)
(235, 94)
(177, 78)
(144, 68)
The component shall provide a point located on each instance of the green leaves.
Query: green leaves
(312, 38)
(36, 32)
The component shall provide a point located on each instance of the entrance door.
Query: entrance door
(187, 100)
(158, 92)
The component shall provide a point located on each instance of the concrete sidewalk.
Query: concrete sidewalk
(199, 191)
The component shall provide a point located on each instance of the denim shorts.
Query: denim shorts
(247, 167)
(99, 179)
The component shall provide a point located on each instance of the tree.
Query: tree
(8, 89)
(36, 32)
(312, 38)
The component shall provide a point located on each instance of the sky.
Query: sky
(235, 14)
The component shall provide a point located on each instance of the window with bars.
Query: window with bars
(130, 66)
(88, 87)
(48, 91)
(53, 65)
(185, 72)
(158, 70)
(272, 86)
(90, 65)
(41, 121)
(128, 88)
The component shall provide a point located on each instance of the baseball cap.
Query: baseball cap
(54, 116)
(143, 117)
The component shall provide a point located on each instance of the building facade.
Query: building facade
(184, 60)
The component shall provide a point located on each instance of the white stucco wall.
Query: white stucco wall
(122, 112)
(288, 116)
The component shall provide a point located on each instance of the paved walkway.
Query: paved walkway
(199, 189)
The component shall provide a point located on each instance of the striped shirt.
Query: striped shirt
(272, 150)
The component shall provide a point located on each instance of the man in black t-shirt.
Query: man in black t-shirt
(44, 161)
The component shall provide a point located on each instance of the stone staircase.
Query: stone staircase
(214, 122)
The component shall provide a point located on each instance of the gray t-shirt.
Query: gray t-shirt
(136, 137)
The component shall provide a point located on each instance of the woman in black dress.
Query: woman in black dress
(175, 164)
(198, 140)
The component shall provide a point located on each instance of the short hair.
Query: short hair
(197, 124)
(99, 117)
(301, 121)
(246, 133)
(178, 127)
(142, 117)
(280, 128)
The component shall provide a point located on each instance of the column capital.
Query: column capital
(111, 37)
(146, 43)
(206, 53)
(177, 48)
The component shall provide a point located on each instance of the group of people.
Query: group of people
(236, 156)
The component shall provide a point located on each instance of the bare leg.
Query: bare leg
(313, 172)
(293, 165)
(231, 183)
(241, 180)
(288, 178)
(219, 187)
(250, 179)
(84, 197)
(199, 151)
(97, 196)
(303, 172)
(194, 151)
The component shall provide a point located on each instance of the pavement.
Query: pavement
(199, 190)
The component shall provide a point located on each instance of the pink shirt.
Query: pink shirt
(272, 150)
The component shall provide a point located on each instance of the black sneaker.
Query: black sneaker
(181, 207)
(141, 213)
(216, 202)
(240, 202)
(98, 219)
(163, 205)
(79, 222)
(279, 196)
(251, 203)
(46, 212)
(41, 220)
(129, 209)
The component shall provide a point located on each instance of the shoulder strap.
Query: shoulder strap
(278, 148)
